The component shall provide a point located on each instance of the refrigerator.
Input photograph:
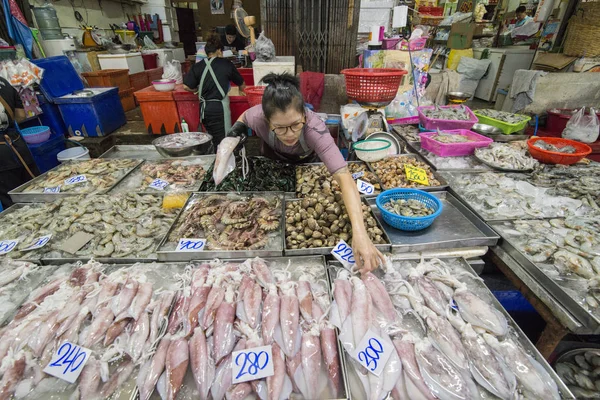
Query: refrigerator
(504, 62)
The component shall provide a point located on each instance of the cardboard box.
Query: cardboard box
(461, 36)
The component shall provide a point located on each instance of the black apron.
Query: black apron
(308, 155)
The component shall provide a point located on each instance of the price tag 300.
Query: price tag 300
(40, 242)
(55, 189)
(252, 364)
(415, 174)
(191, 245)
(6, 246)
(75, 179)
(158, 184)
(344, 254)
(364, 187)
(373, 352)
(68, 362)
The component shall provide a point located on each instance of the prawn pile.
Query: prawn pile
(448, 113)
(449, 342)
(579, 370)
(503, 116)
(506, 156)
(452, 163)
(227, 307)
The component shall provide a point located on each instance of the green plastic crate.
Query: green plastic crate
(506, 128)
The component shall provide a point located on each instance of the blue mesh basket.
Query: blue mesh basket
(408, 223)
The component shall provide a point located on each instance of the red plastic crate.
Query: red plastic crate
(433, 11)
(247, 75)
(159, 111)
(188, 107)
(108, 78)
(127, 99)
(238, 105)
(559, 117)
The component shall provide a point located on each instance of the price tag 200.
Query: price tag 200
(364, 187)
(357, 175)
(415, 174)
(158, 184)
(75, 179)
(373, 352)
(344, 254)
(6, 246)
(191, 245)
(68, 362)
(39, 242)
(252, 364)
(55, 189)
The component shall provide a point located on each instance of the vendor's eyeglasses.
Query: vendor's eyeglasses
(282, 130)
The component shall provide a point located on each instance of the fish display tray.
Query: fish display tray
(19, 196)
(456, 227)
(443, 183)
(166, 248)
(138, 151)
(472, 164)
(33, 256)
(589, 320)
(327, 250)
(454, 149)
(505, 127)
(492, 166)
(445, 124)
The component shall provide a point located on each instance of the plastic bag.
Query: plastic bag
(225, 161)
(455, 56)
(149, 44)
(172, 70)
(264, 49)
(583, 127)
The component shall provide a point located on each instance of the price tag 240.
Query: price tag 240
(415, 174)
(191, 245)
(158, 184)
(344, 254)
(252, 364)
(6, 246)
(373, 352)
(75, 179)
(68, 362)
(364, 187)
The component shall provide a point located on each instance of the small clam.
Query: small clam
(316, 235)
(308, 232)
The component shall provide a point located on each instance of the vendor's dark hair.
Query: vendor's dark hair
(230, 30)
(282, 92)
(213, 44)
(520, 9)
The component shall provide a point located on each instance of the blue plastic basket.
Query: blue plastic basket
(36, 134)
(409, 223)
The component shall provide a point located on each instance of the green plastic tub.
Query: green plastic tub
(506, 128)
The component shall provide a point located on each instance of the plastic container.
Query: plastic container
(127, 100)
(373, 86)
(150, 60)
(454, 149)
(36, 134)
(559, 117)
(163, 56)
(390, 43)
(280, 65)
(444, 124)
(164, 85)
(254, 95)
(159, 111)
(248, 75)
(371, 150)
(408, 223)
(554, 157)
(130, 61)
(127, 37)
(404, 121)
(506, 128)
(51, 116)
(188, 107)
(154, 74)
(237, 105)
(44, 154)
(415, 44)
(108, 78)
(74, 153)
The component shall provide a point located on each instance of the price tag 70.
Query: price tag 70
(191, 245)
(68, 362)
(55, 189)
(252, 364)
(364, 187)
(415, 174)
(39, 242)
(75, 179)
(344, 254)
(373, 352)
(158, 184)
(6, 246)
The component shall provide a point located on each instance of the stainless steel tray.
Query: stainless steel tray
(493, 167)
(327, 250)
(141, 151)
(18, 196)
(35, 256)
(443, 183)
(456, 227)
(472, 159)
(276, 250)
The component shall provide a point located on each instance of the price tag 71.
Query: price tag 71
(6, 246)
(68, 362)
(75, 179)
(415, 174)
(373, 352)
(364, 187)
(158, 184)
(252, 364)
(191, 245)
(344, 254)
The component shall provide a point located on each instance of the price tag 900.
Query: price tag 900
(75, 179)
(415, 174)
(343, 253)
(252, 364)
(6, 246)
(68, 362)
(158, 184)
(364, 187)
(191, 245)
(373, 352)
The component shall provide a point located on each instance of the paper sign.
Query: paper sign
(6, 246)
(373, 352)
(415, 174)
(252, 364)
(76, 242)
(357, 175)
(75, 179)
(39, 242)
(55, 189)
(190, 245)
(364, 187)
(343, 253)
(68, 362)
(158, 184)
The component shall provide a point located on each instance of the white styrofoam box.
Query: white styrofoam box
(280, 65)
(179, 54)
(131, 61)
(164, 55)
(374, 13)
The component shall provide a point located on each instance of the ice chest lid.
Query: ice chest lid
(93, 95)
(60, 78)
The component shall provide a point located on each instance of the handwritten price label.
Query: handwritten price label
(75, 179)
(39, 242)
(357, 175)
(252, 364)
(373, 352)
(158, 184)
(415, 174)
(190, 245)
(68, 362)
(364, 187)
(6, 246)
(55, 189)
(343, 253)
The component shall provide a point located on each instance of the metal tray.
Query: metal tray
(474, 160)
(327, 250)
(348, 162)
(141, 151)
(492, 166)
(443, 183)
(18, 196)
(456, 227)
(9, 210)
(171, 255)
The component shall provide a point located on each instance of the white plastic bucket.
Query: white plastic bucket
(74, 153)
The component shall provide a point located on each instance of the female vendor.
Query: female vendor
(294, 134)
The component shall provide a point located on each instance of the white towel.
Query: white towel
(523, 86)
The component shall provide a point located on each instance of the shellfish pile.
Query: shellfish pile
(315, 179)
(392, 173)
(408, 208)
(264, 175)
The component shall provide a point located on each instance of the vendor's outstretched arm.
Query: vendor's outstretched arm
(366, 255)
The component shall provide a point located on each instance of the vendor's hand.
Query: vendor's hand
(366, 255)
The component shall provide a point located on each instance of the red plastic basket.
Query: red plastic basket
(255, 95)
(553, 157)
(454, 149)
(375, 87)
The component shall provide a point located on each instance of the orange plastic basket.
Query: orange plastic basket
(553, 157)
(373, 86)
(255, 95)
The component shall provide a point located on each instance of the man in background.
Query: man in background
(231, 40)
(522, 17)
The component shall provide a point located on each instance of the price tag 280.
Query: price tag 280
(39, 242)
(6, 246)
(252, 364)
(364, 187)
(373, 352)
(75, 179)
(191, 245)
(344, 254)
(68, 362)
(415, 174)
(158, 184)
